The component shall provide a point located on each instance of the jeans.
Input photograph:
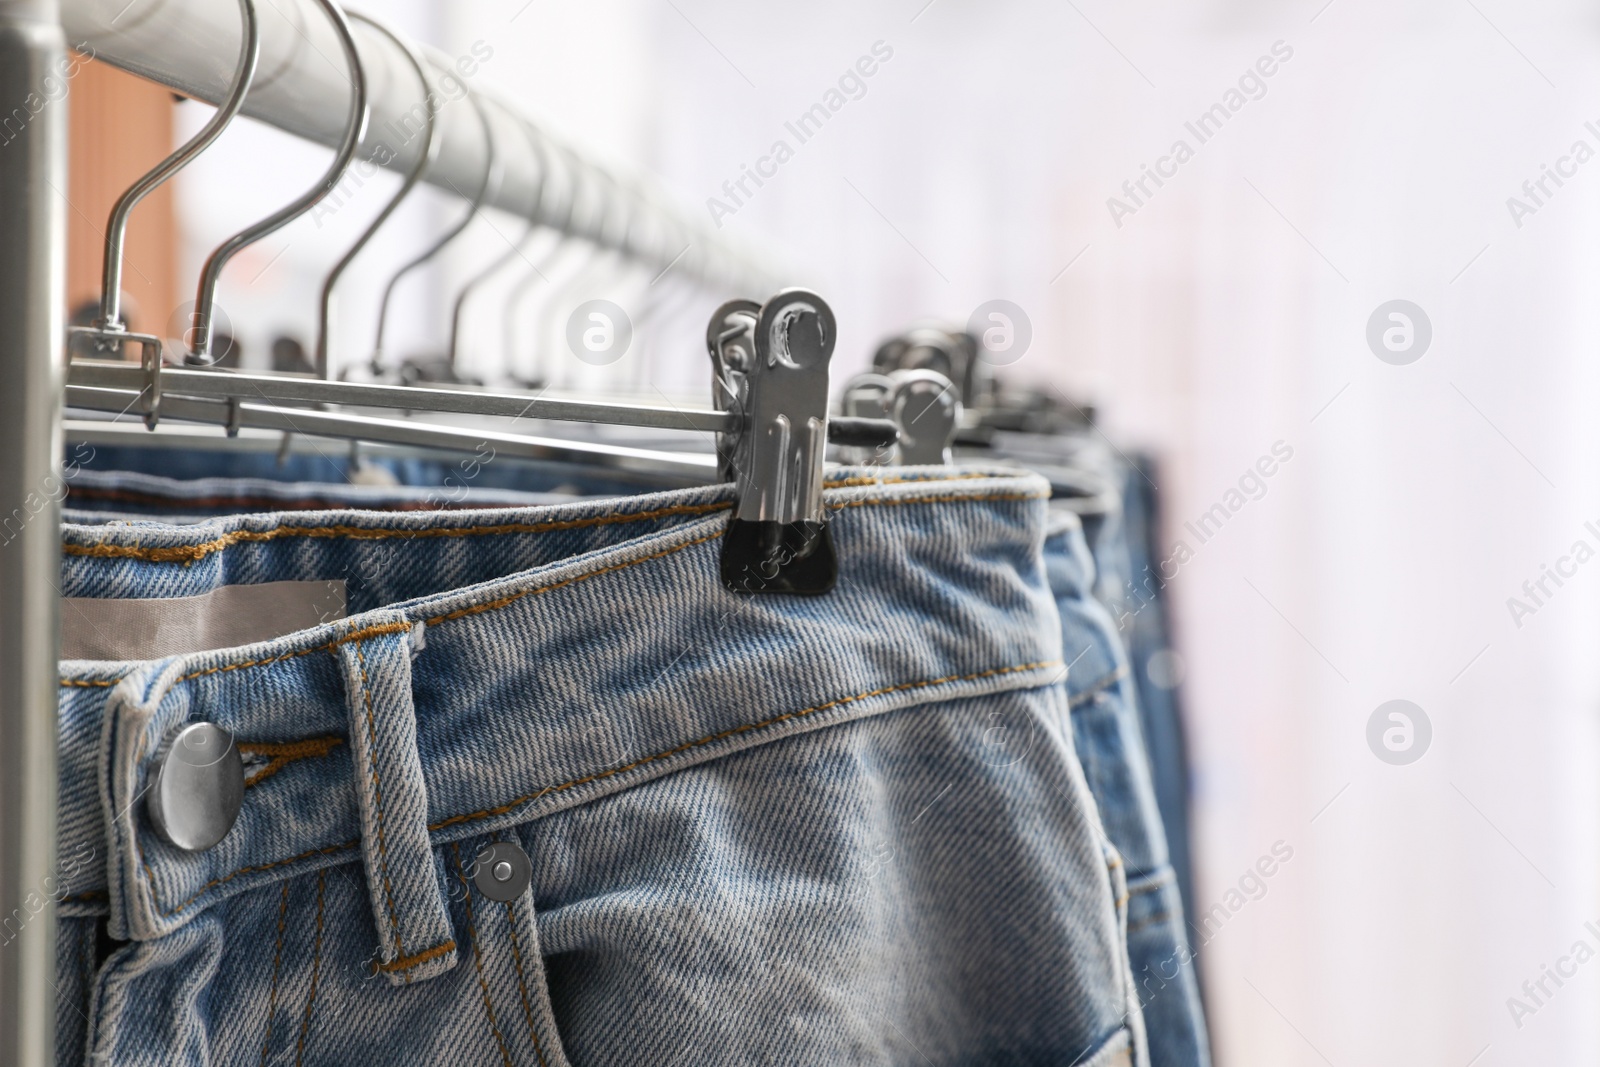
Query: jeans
(1149, 638)
(483, 469)
(849, 829)
(95, 496)
(1118, 498)
(1110, 744)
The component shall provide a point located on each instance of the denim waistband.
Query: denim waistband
(97, 496)
(500, 666)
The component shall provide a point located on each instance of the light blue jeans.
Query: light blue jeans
(1110, 744)
(848, 829)
(95, 496)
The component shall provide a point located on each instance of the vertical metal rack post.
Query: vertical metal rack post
(33, 125)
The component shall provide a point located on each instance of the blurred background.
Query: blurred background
(1337, 156)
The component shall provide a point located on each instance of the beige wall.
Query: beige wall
(120, 127)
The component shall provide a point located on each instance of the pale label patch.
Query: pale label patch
(93, 628)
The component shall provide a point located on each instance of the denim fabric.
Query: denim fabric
(1148, 634)
(1106, 728)
(480, 470)
(848, 829)
(95, 496)
(1118, 498)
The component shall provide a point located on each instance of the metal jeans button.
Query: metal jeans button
(196, 787)
(502, 872)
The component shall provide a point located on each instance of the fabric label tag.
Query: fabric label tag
(95, 628)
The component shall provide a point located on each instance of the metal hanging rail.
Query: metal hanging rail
(32, 280)
(302, 87)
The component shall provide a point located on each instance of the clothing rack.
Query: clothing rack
(189, 46)
(301, 88)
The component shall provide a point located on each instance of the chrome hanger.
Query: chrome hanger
(489, 184)
(355, 128)
(536, 269)
(515, 251)
(109, 332)
(603, 252)
(425, 159)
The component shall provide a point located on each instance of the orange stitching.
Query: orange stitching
(495, 605)
(281, 755)
(1165, 916)
(316, 970)
(516, 954)
(329, 850)
(88, 683)
(191, 553)
(358, 635)
(370, 631)
(407, 962)
(377, 794)
(711, 738)
(867, 479)
(277, 958)
(503, 601)
(477, 957)
(934, 500)
(618, 770)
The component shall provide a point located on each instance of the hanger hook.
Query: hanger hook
(491, 178)
(563, 230)
(425, 160)
(355, 129)
(512, 252)
(244, 73)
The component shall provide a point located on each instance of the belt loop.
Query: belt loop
(416, 940)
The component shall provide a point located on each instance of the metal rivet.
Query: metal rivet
(502, 872)
(196, 787)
